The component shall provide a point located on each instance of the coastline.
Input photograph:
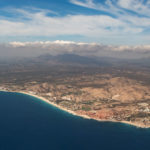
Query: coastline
(73, 113)
(53, 104)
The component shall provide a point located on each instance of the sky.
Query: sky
(111, 22)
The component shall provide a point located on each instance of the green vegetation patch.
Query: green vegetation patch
(86, 108)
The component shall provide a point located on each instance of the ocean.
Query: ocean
(28, 123)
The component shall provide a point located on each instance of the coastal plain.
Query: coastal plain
(115, 91)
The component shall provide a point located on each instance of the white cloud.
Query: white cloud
(87, 3)
(33, 49)
(117, 7)
(39, 24)
(132, 12)
(36, 22)
(139, 6)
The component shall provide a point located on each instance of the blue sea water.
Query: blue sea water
(27, 123)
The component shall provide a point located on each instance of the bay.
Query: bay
(28, 123)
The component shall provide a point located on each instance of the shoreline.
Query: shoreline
(53, 104)
(73, 113)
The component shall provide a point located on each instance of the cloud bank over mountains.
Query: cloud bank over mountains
(34, 49)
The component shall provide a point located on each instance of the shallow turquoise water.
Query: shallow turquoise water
(27, 123)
